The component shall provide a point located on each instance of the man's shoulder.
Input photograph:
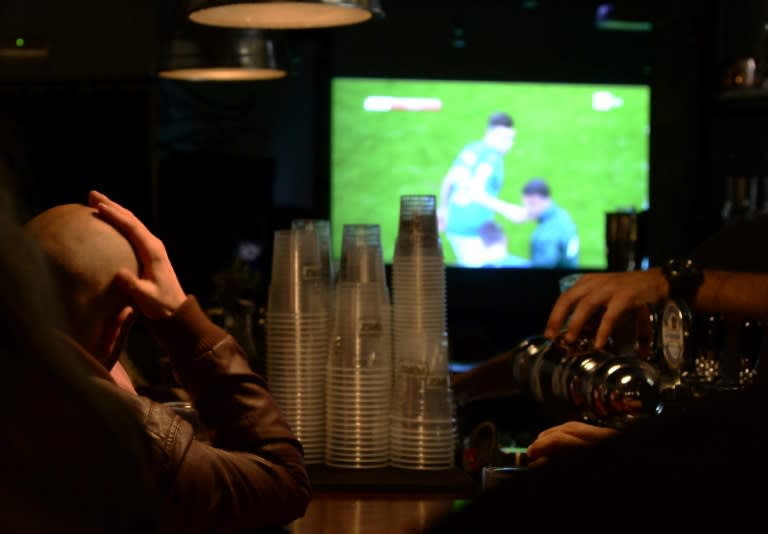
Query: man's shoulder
(478, 151)
(470, 154)
(563, 217)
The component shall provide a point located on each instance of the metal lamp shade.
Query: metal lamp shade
(224, 55)
(285, 14)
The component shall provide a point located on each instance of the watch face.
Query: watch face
(674, 330)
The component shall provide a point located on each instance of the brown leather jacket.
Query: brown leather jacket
(252, 475)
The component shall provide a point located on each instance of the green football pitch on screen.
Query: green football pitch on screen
(393, 137)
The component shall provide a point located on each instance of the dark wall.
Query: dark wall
(493, 39)
(78, 39)
(61, 139)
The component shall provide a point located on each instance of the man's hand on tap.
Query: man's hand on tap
(608, 295)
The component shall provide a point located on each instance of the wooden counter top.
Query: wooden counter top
(366, 513)
(380, 501)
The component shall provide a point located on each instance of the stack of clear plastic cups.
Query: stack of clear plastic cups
(297, 326)
(423, 433)
(359, 374)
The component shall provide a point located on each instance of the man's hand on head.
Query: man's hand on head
(157, 292)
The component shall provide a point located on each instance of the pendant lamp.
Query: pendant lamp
(284, 14)
(214, 54)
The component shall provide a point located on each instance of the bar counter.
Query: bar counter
(381, 501)
(356, 513)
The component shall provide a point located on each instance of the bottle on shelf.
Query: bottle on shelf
(741, 198)
(739, 361)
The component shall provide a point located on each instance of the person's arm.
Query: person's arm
(613, 294)
(488, 379)
(513, 212)
(561, 439)
(455, 174)
(479, 192)
(253, 475)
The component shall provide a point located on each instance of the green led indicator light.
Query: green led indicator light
(20, 42)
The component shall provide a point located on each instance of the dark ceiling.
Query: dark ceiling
(93, 39)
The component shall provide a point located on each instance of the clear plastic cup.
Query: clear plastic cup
(361, 431)
(332, 462)
(296, 257)
(418, 464)
(371, 440)
(296, 368)
(300, 281)
(295, 325)
(362, 329)
(299, 297)
(304, 423)
(353, 455)
(357, 455)
(304, 386)
(417, 266)
(424, 353)
(297, 354)
(361, 254)
(359, 373)
(420, 397)
(357, 441)
(380, 450)
(356, 463)
(367, 394)
(361, 419)
(418, 216)
(322, 230)
(401, 443)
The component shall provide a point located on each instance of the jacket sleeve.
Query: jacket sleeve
(252, 474)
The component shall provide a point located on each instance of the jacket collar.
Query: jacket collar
(91, 363)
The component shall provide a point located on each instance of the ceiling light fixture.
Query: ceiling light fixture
(285, 14)
(220, 55)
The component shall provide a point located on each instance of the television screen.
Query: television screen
(523, 172)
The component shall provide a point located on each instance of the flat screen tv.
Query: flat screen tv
(523, 172)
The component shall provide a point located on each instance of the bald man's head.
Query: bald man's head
(85, 253)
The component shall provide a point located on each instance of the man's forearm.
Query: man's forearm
(724, 292)
(254, 474)
(491, 378)
(212, 367)
(513, 212)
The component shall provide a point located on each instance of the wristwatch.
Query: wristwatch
(684, 278)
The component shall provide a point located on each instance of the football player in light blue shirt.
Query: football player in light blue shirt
(555, 241)
(469, 193)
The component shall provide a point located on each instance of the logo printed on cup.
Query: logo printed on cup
(415, 370)
(371, 328)
(311, 272)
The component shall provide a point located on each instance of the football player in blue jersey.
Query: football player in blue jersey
(555, 241)
(468, 198)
